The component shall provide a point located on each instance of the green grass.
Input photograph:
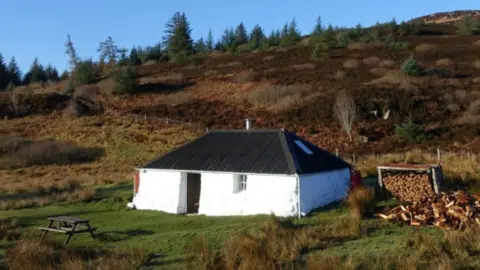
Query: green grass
(166, 236)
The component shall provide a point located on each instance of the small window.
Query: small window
(240, 183)
(303, 147)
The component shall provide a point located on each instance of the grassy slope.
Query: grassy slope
(166, 236)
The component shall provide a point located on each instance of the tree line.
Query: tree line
(177, 45)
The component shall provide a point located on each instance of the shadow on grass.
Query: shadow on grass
(157, 259)
(160, 88)
(116, 236)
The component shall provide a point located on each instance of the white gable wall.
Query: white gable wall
(161, 190)
(264, 194)
(318, 190)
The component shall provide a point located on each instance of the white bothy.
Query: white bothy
(248, 172)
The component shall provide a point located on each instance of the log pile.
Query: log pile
(455, 210)
(408, 186)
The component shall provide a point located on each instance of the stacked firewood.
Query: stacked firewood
(408, 186)
(455, 210)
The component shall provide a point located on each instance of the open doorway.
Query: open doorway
(193, 192)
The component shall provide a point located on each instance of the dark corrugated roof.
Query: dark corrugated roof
(248, 151)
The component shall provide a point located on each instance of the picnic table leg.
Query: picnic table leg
(70, 234)
(45, 232)
(90, 229)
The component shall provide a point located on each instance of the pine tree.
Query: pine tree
(123, 60)
(329, 36)
(14, 73)
(256, 36)
(4, 78)
(274, 38)
(71, 52)
(318, 29)
(209, 42)
(37, 72)
(178, 40)
(290, 34)
(241, 34)
(64, 75)
(108, 50)
(134, 57)
(200, 46)
(293, 31)
(228, 39)
(51, 73)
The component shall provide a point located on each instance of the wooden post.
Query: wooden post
(336, 152)
(438, 155)
(166, 120)
(145, 117)
(354, 158)
(380, 182)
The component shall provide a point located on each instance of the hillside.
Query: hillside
(447, 17)
(287, 88)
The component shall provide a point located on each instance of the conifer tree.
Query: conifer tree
(134, 57)
(256, 36)
(4, 76)
(290, 34)
(51, 73)
(64, 75)
(200, 46)
(228, 39)
(72, 53)
(241, 34)
(14, 73)
(274, 38)
(209, 42)
(108, 50)
(318, 29)
(329, 36)
(36, 72)
(178, 39)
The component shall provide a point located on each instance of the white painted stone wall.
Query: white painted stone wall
(162, 191)
(263, 195)
(318, 190)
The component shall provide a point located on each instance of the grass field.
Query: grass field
(166, 238)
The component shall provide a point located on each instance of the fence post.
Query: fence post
(354, 158)
(336, 152)
(438, 154)
(166, 120)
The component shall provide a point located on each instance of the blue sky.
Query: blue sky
(35, 28)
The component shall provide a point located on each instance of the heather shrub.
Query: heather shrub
(467, 26)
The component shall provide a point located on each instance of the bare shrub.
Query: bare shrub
(281, 50)
(150, 63)
(268, 58)
(33, 255)
(345, 111)
(422, 48)
(84, 102)
(379, 71)
(201, 254)
(453, 107)
(177, 98)
(48, 152)
(387, 63)
(359, 46)
(476, 64)
(306, 66)
(12, 94)
(230, 64)
(171, 77)
(339, 75)
(352, 63)
(396, 78)
(476, 43)
(246, 76)
(9, 229)
(373, 60)
(361, 202)
(445, 62)
(278, 94)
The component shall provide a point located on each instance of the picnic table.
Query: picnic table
(69, 226)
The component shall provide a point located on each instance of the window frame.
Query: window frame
(240, 183)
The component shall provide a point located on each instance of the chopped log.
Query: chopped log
(455, 210)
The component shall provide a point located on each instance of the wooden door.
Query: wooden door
(193, 192)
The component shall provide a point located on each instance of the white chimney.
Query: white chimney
(248, 123)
